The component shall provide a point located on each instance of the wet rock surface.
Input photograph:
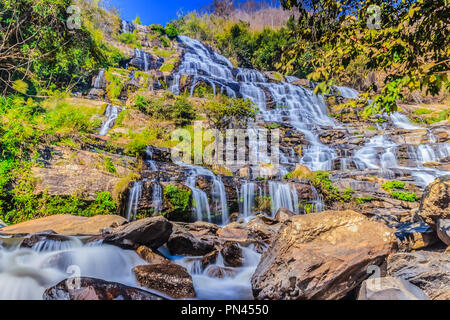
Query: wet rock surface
(150, 232)
(96, 289)
(171, 279)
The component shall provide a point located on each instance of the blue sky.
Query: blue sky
(155, 11)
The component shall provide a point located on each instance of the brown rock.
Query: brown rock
(66, 224)
(284, 214)
(96, 289)
(150, 256)
(321, 256)
(210, 259)
(436, 202)
(184, 243)
(170, 279)
(428, 270)
(220, 272)
(151, 232)
(443, 230)
(232, 254)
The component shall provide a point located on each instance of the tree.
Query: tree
(411, 47)
(223, 8)
(37, 46)
(223, 113)
(137, 20)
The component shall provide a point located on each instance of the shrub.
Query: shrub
(171, 31)
(391, 185)
(222, 112)
(109, 165)
(405, 196)
(362, 200)
(178, 199)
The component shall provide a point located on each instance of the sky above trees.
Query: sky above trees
(159, 11)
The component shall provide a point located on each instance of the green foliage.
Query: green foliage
(405, 196)
(109, 165)
(422, 111)
(288, 176)
(128, 38)
(137, 20)
(223, 112)
(178, 199)
(391, 185)
(40, 50)
(345, 48)
(362, 200)
(171, 30)
(167, 107)
(168, 67)
(158, 28)
(115, 84)
(323, 183)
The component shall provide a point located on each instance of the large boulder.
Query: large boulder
(322, 256)
(430, 271)
(151, 232)
(170, 279)
(436, 202)
(284, 214)
(183, 243)
(66, 224)
(96, 289)
(232, 255)
(389, 288)
(443, 230)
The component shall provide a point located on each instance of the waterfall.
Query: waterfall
(26, 273)
(283, 196)
(151, 163)
(347, 93)
(143, 58)
(402, 122)
(100, 80)
(127, 27)
(133, 200)
(201, 202)
(111, 113)
(247, 199)
(236, 283)
(318, 201)
(304, 110)
(157, 197)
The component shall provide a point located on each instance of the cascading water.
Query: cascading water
(201, 202)
(247, 198)
(26, 273)
(300, 106)
(127, 27)
(236, 285)
(100, 81)
(402, 122)
(283, 195)
(133, 200)
(112, 112)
